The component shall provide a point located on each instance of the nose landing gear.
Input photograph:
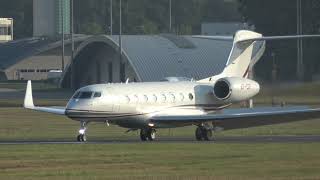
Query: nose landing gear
(82, 132)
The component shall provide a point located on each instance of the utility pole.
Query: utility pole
(62, 33)
(72, 73)
(111, 17)
(120, 32)
(300, 66)
(170, 16)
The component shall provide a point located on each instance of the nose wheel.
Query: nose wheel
(147, 134)
(204, 134)
(82, 132)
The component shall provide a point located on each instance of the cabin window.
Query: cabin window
(135, 99)
(124, 99)
(172, 98)
(181, 97)
(163, 98)
(190, 96)
(154, 98)
(127, 99)
(97, 94)
(145, 98)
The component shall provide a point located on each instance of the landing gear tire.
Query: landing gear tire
(147, 134)
(204, 134)
(198, 134)
(81, 138)
(143, 135)
(151, 134)
(208, 135)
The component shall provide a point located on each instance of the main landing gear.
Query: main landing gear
(82, 132)
(204, 133)
(147, 134)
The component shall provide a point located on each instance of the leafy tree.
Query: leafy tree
(281, 20)
(21, 12)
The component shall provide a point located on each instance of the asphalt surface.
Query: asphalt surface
(233, 139)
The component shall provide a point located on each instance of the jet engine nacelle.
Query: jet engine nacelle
(235, 89)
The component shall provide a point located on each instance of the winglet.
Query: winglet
(28, 99)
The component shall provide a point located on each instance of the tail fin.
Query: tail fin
(241, 54)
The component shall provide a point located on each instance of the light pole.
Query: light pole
(300, 68)
(72, 73)
(170, 16)
(111, 17)
(62, 33)
(120, 32)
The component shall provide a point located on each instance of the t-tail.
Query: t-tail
(244, 53)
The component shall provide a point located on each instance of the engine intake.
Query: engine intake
(222, 89)
(234, 89)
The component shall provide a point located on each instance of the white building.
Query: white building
(6, 29)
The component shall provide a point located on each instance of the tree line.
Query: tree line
(152, 17)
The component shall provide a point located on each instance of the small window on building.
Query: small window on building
(190, 96)
(30, 70)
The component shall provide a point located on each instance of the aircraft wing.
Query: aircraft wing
(244, 118)
(28, 103)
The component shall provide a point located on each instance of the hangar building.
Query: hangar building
(97, 58)
(147, 58)
(33, 58)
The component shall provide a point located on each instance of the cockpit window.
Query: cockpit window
(76, 95)
(97, 94)
(85, 95)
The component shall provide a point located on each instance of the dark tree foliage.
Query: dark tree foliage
(21, 12)
(275, 17)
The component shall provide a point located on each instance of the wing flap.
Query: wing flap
(244, 118)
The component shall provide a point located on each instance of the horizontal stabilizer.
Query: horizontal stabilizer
(263, 38)
(28, 103)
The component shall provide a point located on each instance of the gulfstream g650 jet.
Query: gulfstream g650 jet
(148, 106)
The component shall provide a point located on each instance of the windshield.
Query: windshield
(86, 95)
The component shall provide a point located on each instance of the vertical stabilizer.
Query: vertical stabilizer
(240, 56)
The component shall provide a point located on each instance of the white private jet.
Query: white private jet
(151, 105)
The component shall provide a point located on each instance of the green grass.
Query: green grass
(21, 124)
(194, 161)
(161, 161)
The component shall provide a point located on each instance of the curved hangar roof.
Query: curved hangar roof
(158, 56)
(13, 52)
